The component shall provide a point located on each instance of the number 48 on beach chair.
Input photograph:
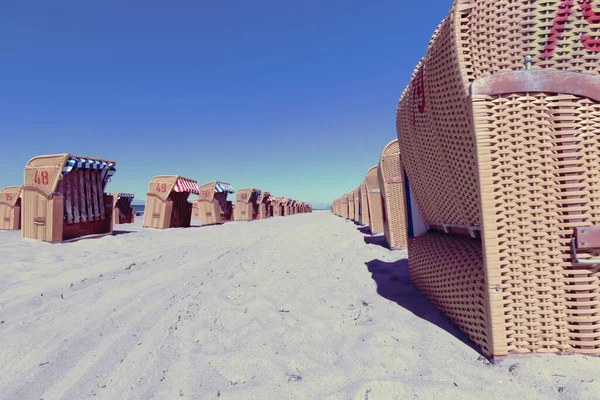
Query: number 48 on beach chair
(63, 197)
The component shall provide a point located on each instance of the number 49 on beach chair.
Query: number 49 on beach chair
(167, 204)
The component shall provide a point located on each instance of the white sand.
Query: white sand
(279, 309)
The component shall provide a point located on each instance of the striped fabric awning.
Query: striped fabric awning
(125, 196)
(257, 192)
(107, 168)
(223, 187)
(270, 198)
(186, 185)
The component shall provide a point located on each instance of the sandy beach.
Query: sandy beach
(301, 307)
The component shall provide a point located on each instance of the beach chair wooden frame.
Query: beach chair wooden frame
(212, 206)
(375, 202)
(123, 213)
(390, 175)
(63, 198)
(247, 205)
(10, 208)
(167, 204)
(498, 131)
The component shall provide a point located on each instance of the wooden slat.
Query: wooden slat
(82, 205)
(94, 176)
(62, 189)
(69, 198)
(88, 194)
(100, 195)
(76, 203)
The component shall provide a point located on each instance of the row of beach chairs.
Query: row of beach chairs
(63, 198)
(493, 183)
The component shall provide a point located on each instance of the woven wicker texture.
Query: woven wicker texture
(375, 204)
(391, 182)
(458, 288)
(523, 166)
(10, 208)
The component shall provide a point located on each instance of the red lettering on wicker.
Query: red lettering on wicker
(8, 197)
(205, 194)
(161, 187)
(244, 196)
(591, 17)
(560, 21)
(41, 178)
(418, 91)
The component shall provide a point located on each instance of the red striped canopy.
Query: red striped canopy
(186, 185)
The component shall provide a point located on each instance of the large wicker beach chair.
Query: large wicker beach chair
(212, 206)
(246, 204)
(375, 201)
(364, 204)
(63, 198)
(10, 208)
(167, 204)
(390, 175)
(122, 210)
(498, 131)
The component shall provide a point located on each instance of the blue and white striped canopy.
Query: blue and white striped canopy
(125, 196)
(257, 192)
(107, 168)
(224, 187)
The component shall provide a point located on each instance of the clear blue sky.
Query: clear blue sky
(294, 97)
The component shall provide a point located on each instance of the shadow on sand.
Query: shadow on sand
(117, 233)
(378, 240)
(365, 230)
(393, 283)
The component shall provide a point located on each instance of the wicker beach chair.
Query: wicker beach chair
(10, 208)
(350, 197)
(390, 175)
(63, 198)
(364, 204)
(246, 204)
(212, 206)
(498, 131)
(375, 202)
(277, 206)
(265, 210)
(122, 211)
(356, 197)
(167, 204)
